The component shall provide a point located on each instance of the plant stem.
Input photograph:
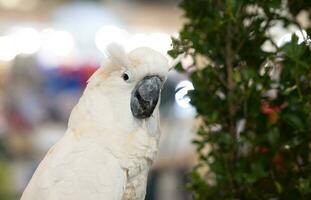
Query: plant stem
(230, 83)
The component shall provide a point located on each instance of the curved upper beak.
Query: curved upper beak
(145, 97)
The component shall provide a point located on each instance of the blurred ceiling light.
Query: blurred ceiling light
(28, 5)
(55, 42)
(157, 41)
(302, 35)
(108, 34)
(27, 40)
(18, 4)
(181, 95)
(9, 4)
(8, 50)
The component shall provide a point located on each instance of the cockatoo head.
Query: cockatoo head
(132, 80)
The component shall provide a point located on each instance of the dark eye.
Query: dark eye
(125, 76)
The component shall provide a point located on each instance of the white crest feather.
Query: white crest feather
(117, 55)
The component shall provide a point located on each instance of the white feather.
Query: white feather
(73, 170)
(117, 55)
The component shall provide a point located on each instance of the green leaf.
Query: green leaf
(304, 185)
(273, 136)
(294, 121)
(278, 187)
(293, 49)
(179, 67)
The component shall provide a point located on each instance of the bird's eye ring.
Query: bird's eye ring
(125, 76)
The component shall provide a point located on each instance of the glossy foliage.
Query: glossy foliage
(254, 141)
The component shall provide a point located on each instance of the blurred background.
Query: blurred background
(48, 50)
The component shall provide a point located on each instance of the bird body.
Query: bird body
(112, 136)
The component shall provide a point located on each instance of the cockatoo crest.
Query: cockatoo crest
(118, 55)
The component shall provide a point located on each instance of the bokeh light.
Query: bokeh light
(181, 97)
(28, 40)
(108, 34)
(8, 50)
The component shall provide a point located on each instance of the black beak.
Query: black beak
(145, 97)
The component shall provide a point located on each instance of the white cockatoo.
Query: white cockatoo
(112, 136)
